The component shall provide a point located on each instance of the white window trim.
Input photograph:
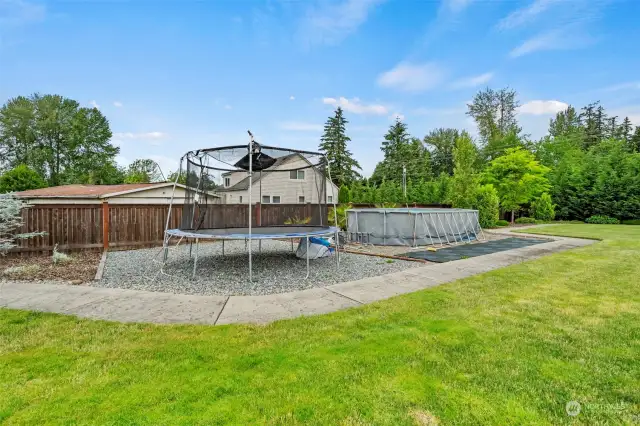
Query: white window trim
(329, 198)
(273, 201)
(304, 200)
(268, 198)
(227, 182)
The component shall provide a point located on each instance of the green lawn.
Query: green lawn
(512, 346)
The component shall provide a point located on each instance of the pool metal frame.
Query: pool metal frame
(435, 217)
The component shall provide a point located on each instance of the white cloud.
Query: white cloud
(563, 39)
(525, 15)
(456, 6)
(292, 98)
(409, 77)
(330, 23)
(473, 81)
(94, 104)
(14, 13)
(632, 85)
(300, 126)
(355, 106)
(117, 104)
(542, 107)
(227, 106)
(146, 135)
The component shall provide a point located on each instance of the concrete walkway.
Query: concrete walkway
(142, 306)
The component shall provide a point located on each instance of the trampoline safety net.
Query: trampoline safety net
(275, 186)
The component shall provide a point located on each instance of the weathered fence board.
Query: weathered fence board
(80, 227)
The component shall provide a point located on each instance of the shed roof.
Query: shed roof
(88, 191)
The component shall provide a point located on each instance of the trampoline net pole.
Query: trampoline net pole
(249, 205)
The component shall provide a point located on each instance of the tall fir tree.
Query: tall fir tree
(634, 141)
(625, 131)
(566, 122)
(402, 151)
(333, 143)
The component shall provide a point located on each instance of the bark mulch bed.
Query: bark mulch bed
(81, 268)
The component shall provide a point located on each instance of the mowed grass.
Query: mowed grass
(512, 346)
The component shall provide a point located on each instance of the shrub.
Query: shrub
(631, 222)
(297, 220)
(502, 222)
(341, 213)
(543, 208)
(602, 220)
(488, 204)
(524, 219)
(10, 221)
(21, 178)
(20, 271)
(344, 194)
(58, 258)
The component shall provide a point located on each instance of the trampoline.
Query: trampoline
(221, 202)
(260, 233)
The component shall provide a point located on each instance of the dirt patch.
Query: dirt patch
(80, 268)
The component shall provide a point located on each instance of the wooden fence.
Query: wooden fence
(116, 226)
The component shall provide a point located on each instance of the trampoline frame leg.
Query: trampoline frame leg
(307, 258)
(195, 260)
(222, 248)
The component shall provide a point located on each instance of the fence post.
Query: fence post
(105, 224)
(258, 214)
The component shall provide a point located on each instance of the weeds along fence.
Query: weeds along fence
(76, 227)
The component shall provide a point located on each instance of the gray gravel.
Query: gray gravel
(275, 270)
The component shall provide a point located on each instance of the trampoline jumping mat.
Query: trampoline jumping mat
(472, 250)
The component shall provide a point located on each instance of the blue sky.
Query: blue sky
(172, 76)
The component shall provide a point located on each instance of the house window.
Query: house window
(265, 199)
(301, 199)
(241, 198)
(227, 182)
(330, 199)
(275, 199)
(296, 174)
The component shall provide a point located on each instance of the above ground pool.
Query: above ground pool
(412, 226)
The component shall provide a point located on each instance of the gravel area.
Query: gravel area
(275, 270)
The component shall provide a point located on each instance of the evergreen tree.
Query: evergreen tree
(465, 182)
(612, 127)
(588, 120)
(634, 141)
(565, 122)
(343, 167)
(625, 131)
(401, 151)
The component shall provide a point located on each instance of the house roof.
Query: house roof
(89, 191)
(244, 183)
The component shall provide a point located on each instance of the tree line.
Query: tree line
(49, 140)
(588, 164)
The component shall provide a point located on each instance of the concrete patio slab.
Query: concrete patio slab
(143, 306)
(263, 309)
